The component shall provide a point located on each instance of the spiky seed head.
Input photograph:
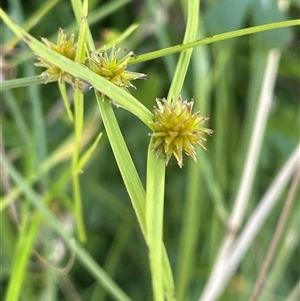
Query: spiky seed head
(176, 129)
(112, 68)
(65, 47)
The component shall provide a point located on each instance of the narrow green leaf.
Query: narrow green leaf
(87, 155)
(81, 254)
(31, 22)
(78, 128)
(213, 39)
(83, 28)
(126, 33)
(64, 95)
(99, 83)
(132, 182)
(127, 169)
(21, 82)
(185, 56)
(154, 218)
(77, 8)
(22, 255)
(98, 14)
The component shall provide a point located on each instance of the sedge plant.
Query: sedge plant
(177, 130)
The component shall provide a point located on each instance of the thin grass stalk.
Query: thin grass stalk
(245, 186)
(79, 119)
(189, 231)
(263, 110)
(127, 169)
(222, 115)
(78, 127)
(277, 235)
(77, 9)
(154, 220)
(257, 71)
(131, 180)
(97, 14)
(125, 34)
(187, 243)
(77, 70)
(27, 235)
(81, 254)
(80, 9)
(64, 96)
(190, 227)
(185, 55)
(216, 38)
(103, 85)
(295, 293)
(51, 288)
(11, 103)
(21, 82)
(112, 260)
(37, 112)
(285, 254)
(252, 228)
(160, 15)
(63, 153)
(31, 22)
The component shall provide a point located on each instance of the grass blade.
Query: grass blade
(154, 219)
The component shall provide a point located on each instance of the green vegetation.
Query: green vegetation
(100, 196)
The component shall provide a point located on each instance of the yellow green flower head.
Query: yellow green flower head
(176, 129)
(112, 68)
(65, 47)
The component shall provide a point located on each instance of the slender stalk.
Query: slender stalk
(249, 168)
(295, 293)
(28, 232)
(185, 55)
(78, 126)
(213, 39)
(64, 95)
(187, 240)
(189, 231)
(77, 70)
(132, 182)
(81, 254)
(252, 228)
(281, 266)
(31, 22)
(154, 219)
(127, 169)
(79, 10)
(21, 82)
(277, 235)
(263, 110)
(160, 14)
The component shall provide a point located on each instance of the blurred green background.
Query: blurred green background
(224, 78)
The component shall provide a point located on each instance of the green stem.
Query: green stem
(78, 124)
(21, 82)
(64, 95)
(81, 254)
(132, 182)
(185, 56)
(21, 256)
(127, 169)
(189, 232)
(154, 219)
(213, 39)
(31, 22)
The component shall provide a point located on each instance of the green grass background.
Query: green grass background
(225, 79)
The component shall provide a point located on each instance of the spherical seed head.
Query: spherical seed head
(65, 47)
(112, 68)
(176, 129)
